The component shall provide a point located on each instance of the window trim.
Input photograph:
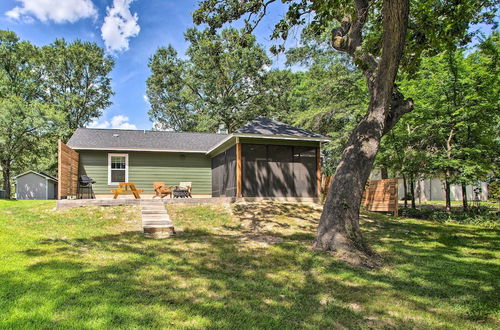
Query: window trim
(109, 168)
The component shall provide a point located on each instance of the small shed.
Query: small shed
(36, 185)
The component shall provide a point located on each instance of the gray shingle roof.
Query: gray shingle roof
(139, 139)
(266, 126)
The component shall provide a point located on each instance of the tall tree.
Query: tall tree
(45, 94)
(379, 36)
(24, 119)
(217, 84)
(457, 116)
(77, 81)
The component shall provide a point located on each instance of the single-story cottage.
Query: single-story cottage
(264, 158)
(35, 185)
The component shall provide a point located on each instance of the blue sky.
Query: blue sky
(130, 30)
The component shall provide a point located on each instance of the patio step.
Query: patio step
(153, 211)
(156, 222)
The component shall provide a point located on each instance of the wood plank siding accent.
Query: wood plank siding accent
(381, 195)
(148, 167)
(238, 170)
(67, 165)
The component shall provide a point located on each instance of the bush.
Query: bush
(483, 215)
(494, 190)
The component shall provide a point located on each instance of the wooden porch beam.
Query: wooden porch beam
(318, 170)
(238, 170)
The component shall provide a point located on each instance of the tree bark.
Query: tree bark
(447, 193)
(464, 197)
(338, 229)
(6, 178)
(383, 173)
(412, 188)
(405, 191)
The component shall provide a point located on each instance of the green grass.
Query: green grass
(244, 266)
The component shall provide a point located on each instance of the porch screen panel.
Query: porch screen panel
(281, 168)
(224, 174)
(255, 181)
(230, 173)
(217, 168)
(305, 171)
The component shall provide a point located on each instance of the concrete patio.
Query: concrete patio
(70, 203)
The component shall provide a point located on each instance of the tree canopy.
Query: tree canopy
(45, 94)
(217, 84)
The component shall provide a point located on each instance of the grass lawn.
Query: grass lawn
(239, 266)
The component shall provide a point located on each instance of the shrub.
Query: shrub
(483, 215)
(494, 190)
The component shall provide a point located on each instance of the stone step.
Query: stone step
(156, 220)
(153, 211)
(155, 224)
(154, 215)
(162, 220)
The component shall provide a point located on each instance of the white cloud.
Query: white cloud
(120, 121)
(119, 26)
(53, 10)
(97, 124)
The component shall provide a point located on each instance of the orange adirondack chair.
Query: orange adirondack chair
(161, 190)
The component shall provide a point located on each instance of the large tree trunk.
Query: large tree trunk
(338, 228)
(447, 190)
(405, 191)
(412, 189)
(464, 197)
(6, 178)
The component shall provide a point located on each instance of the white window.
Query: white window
(117, 168)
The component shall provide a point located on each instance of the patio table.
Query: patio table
(125, 188)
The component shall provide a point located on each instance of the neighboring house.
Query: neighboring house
(264, 158)
(35, 185)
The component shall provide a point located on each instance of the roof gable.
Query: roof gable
(42, 174)
(266, 126)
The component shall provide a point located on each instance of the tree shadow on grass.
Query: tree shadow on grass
(265, 214)
(198, 279)
(206, 279)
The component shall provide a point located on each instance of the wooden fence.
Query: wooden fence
(67, 171)
(381, 195)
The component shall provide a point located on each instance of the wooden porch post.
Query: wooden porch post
(238, 169)
(318, 170)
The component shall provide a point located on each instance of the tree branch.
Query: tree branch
(348, 37)
(399, 107)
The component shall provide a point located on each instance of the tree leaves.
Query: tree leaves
(217, 84)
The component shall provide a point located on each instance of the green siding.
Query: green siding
(148, 167)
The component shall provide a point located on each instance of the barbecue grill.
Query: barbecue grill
(85, 187)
